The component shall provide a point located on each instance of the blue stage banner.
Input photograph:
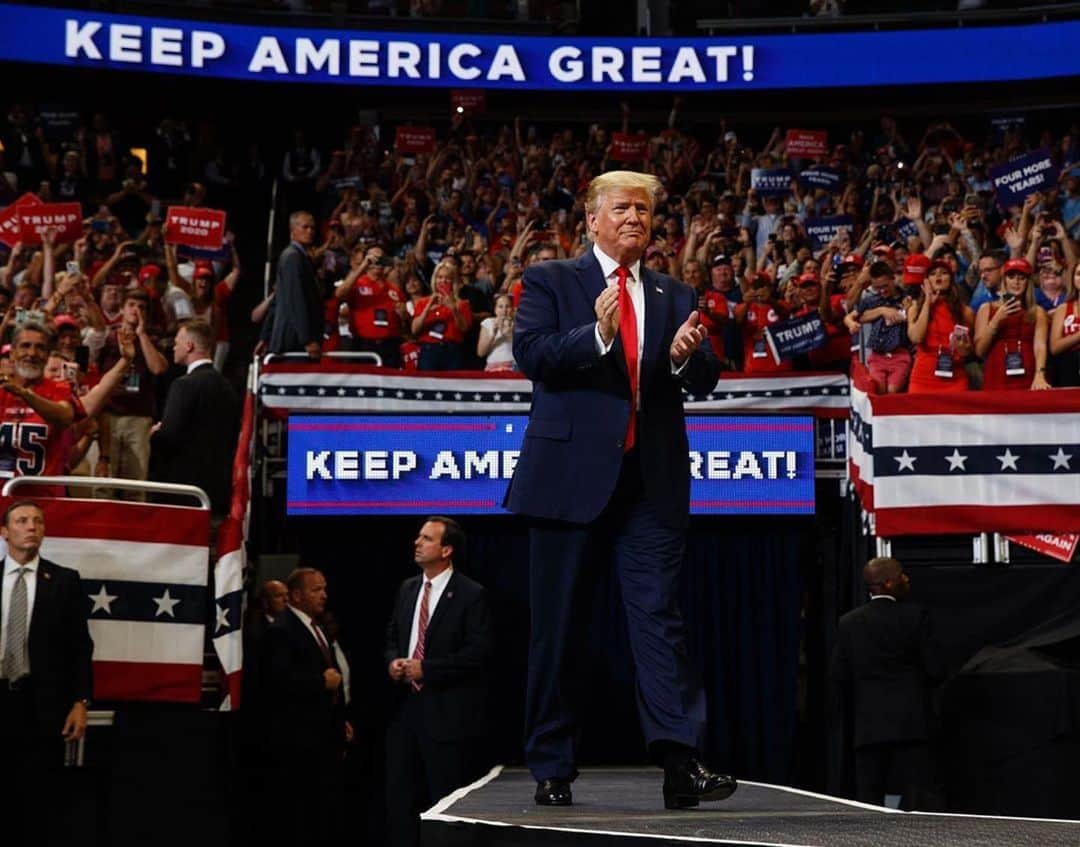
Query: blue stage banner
(824, 230)
(81, 38)
(416, 465)
(1024, 175)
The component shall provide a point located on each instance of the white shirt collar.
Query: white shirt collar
(192, 365)
(608, 265)
(882, 597)
(439, 582)
(305, 618)
(10, 565)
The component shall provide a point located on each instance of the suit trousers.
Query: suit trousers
(648, 557)
(33, 753)
(421, 770)
(905, 767)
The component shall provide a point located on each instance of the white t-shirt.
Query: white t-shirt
(501, 357)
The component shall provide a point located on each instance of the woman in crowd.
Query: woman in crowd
(939, 325)
(1065, 335)
(1011, 334)
(441, 321)
(497, 336)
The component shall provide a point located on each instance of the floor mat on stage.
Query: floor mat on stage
(626, 803)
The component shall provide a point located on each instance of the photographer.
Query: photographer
(496, 337)
(376, 305)
(939, 324)
(441, 321)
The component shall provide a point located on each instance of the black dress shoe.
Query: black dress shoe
(690, 782)
(554, 792)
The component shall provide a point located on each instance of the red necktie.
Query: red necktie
(421, 630)
(628, 332)
(322, 644)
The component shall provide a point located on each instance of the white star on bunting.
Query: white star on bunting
(222, 618)
(102, 600)
(956, 461)
(165, 604)
(1008, 460)
(1061, 460)
(906, 462)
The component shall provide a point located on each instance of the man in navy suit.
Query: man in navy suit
(609, 346)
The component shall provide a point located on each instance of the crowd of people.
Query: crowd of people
(414, 254)
(420, 258)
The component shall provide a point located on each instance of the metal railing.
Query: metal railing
(192, 491)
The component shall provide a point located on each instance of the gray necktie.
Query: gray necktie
(16, 655)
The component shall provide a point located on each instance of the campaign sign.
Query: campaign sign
(628, 148)
(905, 228)
(472, 102)
(795, 336)
(419, 465)
(824, 230)
(1022, 176)
(64, 218)
(9, 219)
(1060, 546)
(806, 143)
(827, 178)
(195, 227)
(771, 181)
(59, 122)
(415, 139)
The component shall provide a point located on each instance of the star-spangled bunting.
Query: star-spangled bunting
(973, 459)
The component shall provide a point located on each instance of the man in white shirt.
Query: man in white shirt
(45, 672)
(438, 646)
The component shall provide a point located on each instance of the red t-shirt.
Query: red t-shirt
(757, 358)
(717, 307)
(28, 445)
(440, 326)
(372, 312)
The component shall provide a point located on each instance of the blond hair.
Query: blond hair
(613, 180)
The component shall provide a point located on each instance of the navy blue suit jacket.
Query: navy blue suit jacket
(573, 447)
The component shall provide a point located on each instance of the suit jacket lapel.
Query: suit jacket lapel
(43, 595)
(405, 614)
(656, 315)
(445, 601)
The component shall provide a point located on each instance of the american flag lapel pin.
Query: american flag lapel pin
(47, 575)
(449, 595)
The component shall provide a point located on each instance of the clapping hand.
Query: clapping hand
(688, 338)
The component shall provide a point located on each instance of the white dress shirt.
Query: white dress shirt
(438, 586)
(608, 268)
(191, 366)
(306, 620)
(10, 566)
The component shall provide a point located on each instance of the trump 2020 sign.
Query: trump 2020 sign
(407, 465)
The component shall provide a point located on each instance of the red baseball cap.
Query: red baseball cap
(915, 267)
(807, 279)
(65, 320)
(1020, 265)
(885, 252)
(852, 259)
(939, 263)
(149, 272)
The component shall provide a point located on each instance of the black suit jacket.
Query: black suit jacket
(572, 452)
(197, 439)
(296, 316)
(886, 651)
(457, 652)
(305, 719)
(59, 644)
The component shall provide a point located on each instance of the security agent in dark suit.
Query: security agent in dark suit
(609, 346)
(438, 645)
(195, 440)
(45, 673)
(887, 658)
(305, 711)
(295, 321)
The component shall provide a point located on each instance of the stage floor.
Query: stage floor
(621, 805)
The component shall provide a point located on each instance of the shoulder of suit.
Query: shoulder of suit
(466, 585)
(47, 566)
